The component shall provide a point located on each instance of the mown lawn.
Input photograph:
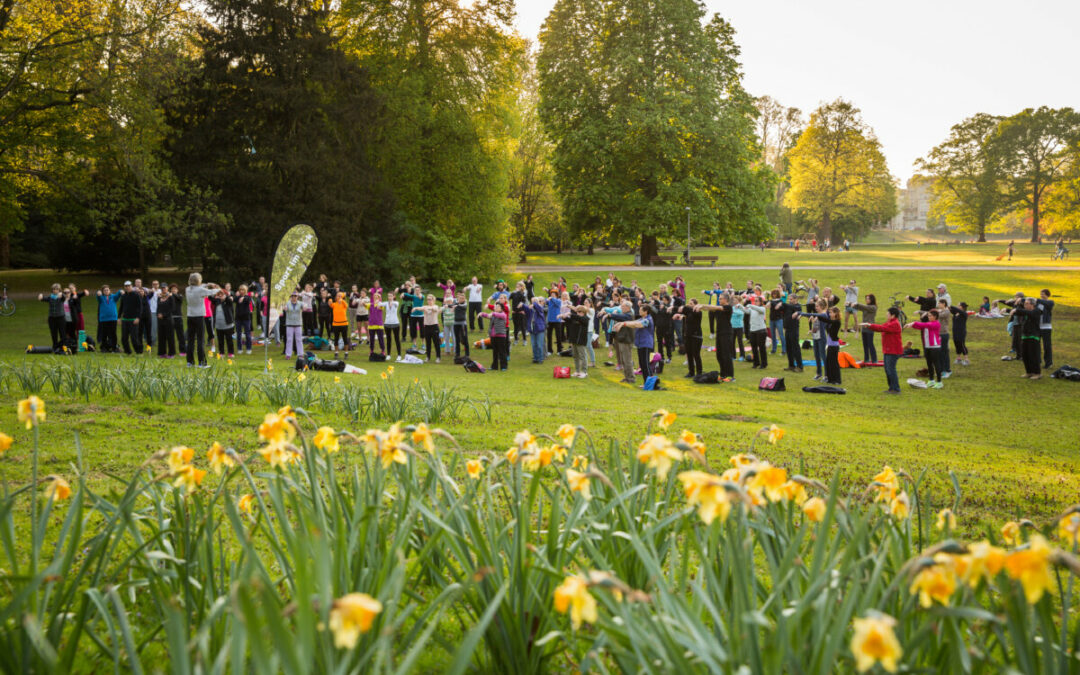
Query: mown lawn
(1012, 443)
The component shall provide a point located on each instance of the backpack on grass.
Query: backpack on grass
(711, 377)
(772, 384)
(473, 367)
(652, 383)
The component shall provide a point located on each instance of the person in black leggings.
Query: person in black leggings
(691, 318)
(725, 338)
(959, 332)
(791, 333)
(830, 322)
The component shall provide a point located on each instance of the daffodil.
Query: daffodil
(219, 458)
(771, 480)
(875, 641)
(775, 434)
(337, 379)
(422, 436)
(31, 410)
(658, 453)
(352, 615)
(707, 492)
(983, 561)
(512, 454)
(887, 485)
(934, 583)
(277, 428)
(573, 596)
(269, 364)
(741, 460)
(579, 482)
(794, 492)
(189, 477)
(900, 506)
(814, 509)
(1010, 533)
(566, 433)
(1031, 567)
(58, 488)
(228, 362)
(559, 452)
(946, 519)
(179, 457)
(689, 438)
(581, 462)
(474, 468)
(276, 455)
(538, 458)
(246, 503)
(390, 449)
(5, 442)
(326, 439)
(390, 370)
(383, 375)
(664, 418)
(1069, 529)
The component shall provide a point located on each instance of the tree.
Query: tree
(1036, 143)
(778, 127)
(1063, 199)
(536, 216)
(448, 76)
(66, 70)
(968, 173)
(286, 126)
(645, 104)
(838, 173)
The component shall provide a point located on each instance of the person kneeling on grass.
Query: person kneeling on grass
(577, 333)
(892, 346)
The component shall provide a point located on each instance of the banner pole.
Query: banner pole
(266, 333)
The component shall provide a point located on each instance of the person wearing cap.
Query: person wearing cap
(294, 325)
(131, 310)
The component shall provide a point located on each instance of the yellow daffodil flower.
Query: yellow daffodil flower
(935, 583)
(31, 410)
(775, 434)
(581, 462)
(658, 453)
(579, 482)
(1069, 529)
(422, 436)
(179, 457)
(900, 506)
(218, 458)
(301, 377)
(352, 615)
(706, 491)
(246, 503)
(566, 433)
(58, 488)
(5, 442)
(691, 439)
(946, 519)
(326, 439)
(573, 596)
(874, 642)
(1010, 533)
(474, 468)
(983, 561)
(665, 419)
(1031, 567)
(390, 370)
(383, 375)
(814, 509)
(741, 460)
(888, 485)
(189, 477)
(794, 492)
(771, 480)
(337, 379)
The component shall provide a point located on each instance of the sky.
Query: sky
(914, 68)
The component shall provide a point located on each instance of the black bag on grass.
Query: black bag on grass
(711, 377)
(824, 389)
(772, 384)
(1066, 372)
(567, 352)
(376, 358)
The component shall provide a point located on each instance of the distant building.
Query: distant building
(913, 205)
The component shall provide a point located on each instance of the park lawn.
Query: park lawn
(903, 253)
(1011, 443)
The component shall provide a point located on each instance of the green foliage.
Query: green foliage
(645, 105)
(838, 174)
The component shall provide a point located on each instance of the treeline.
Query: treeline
(993, 172)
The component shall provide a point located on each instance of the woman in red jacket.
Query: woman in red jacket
(892, 346)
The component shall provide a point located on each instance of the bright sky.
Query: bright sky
(914, 68)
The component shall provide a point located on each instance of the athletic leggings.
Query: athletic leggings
(554, 335)
(393, 338)
(1030, 351)
(416, 327)
(500, 347)
(195, 327)
(725, 353)
(644, 358)
(959, 338)
(461, 339)
(324, 326)
(166, 345)
(740, 351)
(519, 327)
(932, 354)
(832, 364)
(758, 352)
(56, 331)
(225, 339)
(376, 334)
(432, 340)
(794, 349)
(693, 354)
(339, 334)
(243, 334)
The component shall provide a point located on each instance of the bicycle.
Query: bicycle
(1060, 254)
(7, 305)
(899, 305)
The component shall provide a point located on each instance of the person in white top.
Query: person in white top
(196, 294)
(475, 291)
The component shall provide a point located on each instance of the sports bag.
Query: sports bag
(474, 367)
(711, 377)
(652, 383)
(568, 352)
(772, 384)
(461, 360)
(376, 357)
(824, 389)
(561, 372)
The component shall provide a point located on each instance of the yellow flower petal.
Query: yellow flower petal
(352, 615)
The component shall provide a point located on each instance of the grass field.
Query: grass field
(1012, 443)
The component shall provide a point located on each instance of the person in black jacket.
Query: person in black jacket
(692, 335)
(577, 334)
(517, 311)
(75, 323)
(1030, 334)
(224, 325)
(243, 314)
(131, 310)
(725, 337)
(791, 333)
(959, 332)
(168, 309)
(1045, 305)
(58, 305)
(926, 302)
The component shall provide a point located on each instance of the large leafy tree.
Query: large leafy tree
(448, 74)
(278, 119)
(1063, 199)
(969, 177)
(778, 127)
(839, 178)
(645, 104)
(1036, 145)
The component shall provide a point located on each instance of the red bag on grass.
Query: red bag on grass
(561, 372)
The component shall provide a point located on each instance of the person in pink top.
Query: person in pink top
(449, 291)
(931, 341)
(209, 320)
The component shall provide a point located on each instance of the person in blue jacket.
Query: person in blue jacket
(107, 318)
(554, 323)
(535, 325)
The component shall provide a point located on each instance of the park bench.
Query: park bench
(663, 260)
(711, 259)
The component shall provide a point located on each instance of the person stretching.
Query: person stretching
(892, 345)
(931, 341)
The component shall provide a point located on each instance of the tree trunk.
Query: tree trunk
(558, 245)
(649, 249)
(825, 231)
(590, 247)
(1035, 218)
(142, 261)
(5, 250)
